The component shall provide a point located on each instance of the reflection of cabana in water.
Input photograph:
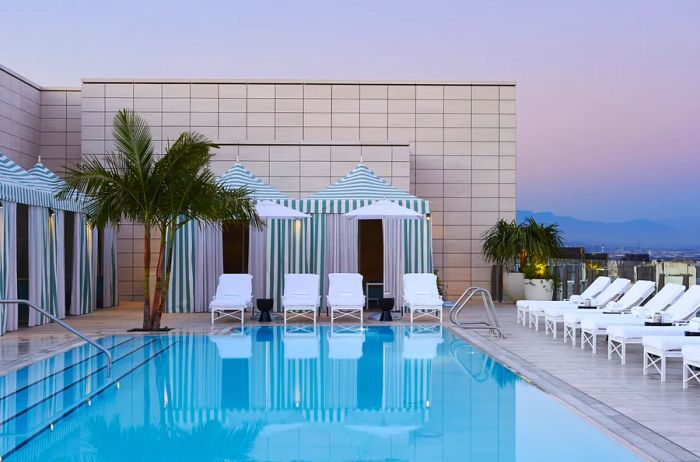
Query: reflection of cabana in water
(40, 255)
(323, 243)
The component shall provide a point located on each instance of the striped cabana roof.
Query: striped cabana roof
(358, 188)
(238, 177)
(35, 187)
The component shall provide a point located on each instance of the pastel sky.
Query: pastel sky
(608, 91)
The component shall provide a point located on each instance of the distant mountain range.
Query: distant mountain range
(672, 234)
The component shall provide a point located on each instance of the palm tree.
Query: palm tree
(529, 241)
(160, 192)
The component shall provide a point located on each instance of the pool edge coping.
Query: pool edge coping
(639, 439)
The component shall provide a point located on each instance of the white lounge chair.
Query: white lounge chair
(420, 294)
(635, 296)
(345, 296)
(658, 348)
(300, 343)
(345, 342)
(554, 316)
(524, 306)
(300, 299)
(679, 313)
(691, 364)
(233, 295)
(422, 343)
(597, 324)
(233, 346)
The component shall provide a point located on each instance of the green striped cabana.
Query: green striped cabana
(327, 242)
(198, 250)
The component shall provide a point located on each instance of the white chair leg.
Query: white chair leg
(685, 375)
(594, 342)
(623, 353)
(663, 367)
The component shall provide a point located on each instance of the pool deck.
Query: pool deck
(659, 419)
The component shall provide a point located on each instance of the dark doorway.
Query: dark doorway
(235, 249)
(370, 247)
(99, 297)
(23, 262)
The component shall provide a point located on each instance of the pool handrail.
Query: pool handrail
(67, 327)
(491, 323)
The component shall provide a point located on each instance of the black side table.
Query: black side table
(265, 306)
(387, 305)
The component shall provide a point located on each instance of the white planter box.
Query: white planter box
(539, 289)
(514, 286)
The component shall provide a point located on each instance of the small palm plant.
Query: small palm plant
(507, 242)
(160, 192)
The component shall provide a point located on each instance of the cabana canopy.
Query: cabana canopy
(240, 177)
(34, 187)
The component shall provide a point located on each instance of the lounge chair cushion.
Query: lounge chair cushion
(691, 353)
(345, 289)
(300, 290)
(603, 321)
(231, 302)
(629, 332)
(669, 342)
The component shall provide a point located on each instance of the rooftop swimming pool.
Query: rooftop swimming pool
(288, 394)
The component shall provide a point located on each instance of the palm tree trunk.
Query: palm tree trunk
(168, 263)
(147, 278)
(158, 294)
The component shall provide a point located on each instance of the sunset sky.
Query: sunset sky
(608, 91)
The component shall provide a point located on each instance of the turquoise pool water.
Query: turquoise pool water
(300, 394)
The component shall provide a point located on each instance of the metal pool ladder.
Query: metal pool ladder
(68, 328)
(491, 323)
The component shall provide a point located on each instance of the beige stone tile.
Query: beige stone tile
(457, 162)
(232, 105)
(148, 90)
(261, 105)
(93, 104)
(345, 105)
(284, 153)
(485, 107)
(310, 185)
(254, 153)
(507, 107)
(119, 90)
(317, 119)
(373, 120)
(429, 134)
(429, 176)
(400, 154)
(457, 177)
(317, 91)
(457, 120)
(507, 190)
(315, 153)
(458, 106)
(93, 118)
(148, 105)
(458, 92)
(485, 134)
(345, 91)
(289, 119)
(402, 120)
(284, 169)
(92, 90)
(402, 106)
(507, 121)
(427, 190)
(232, 119)
(373, 134)
(289, 91)
(176, 90)
(204, 105)
(207, 119)
(232, 90)
(507, 148)
(401, 91)
(345, 133)
(289, 133)
(485, 204)
(204, 90)
(485, 190)
(506, 176)
(507, 92)
(260, 133)
(376, 153)
(374, 91)
(117, 104)
(402, 135)
(341, 168)
(429, 120)
(261, 119)
(317, 105)
(485, 162)
(346, 120)
(457, 134)
(429, 106)
(211, 132)
(485, 120)
(317, 133)
(506, 204)
(485, 148)
(507, 134)
(373, 106)
(429, 148)
(430, 92)
(261, 90)
(229, 134)
(176, 105)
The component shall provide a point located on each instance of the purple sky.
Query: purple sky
(608, 91)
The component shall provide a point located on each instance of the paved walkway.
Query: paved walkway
(641, 410)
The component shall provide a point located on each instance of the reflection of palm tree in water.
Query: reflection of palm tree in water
(211, 440)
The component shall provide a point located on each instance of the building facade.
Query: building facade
(452, 143)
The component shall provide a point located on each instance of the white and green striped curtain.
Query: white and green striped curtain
(84, 290)
(46, 279)
(256, 260)
(287, 252)
(392, 231)
(417, 246)
(110, 293)
(196, 266)
(8, 265)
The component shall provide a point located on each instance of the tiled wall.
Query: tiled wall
(60, 128)
(20, 114)
(461, 141)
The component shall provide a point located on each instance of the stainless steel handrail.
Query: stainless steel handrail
(491, 323)
(68, 328)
